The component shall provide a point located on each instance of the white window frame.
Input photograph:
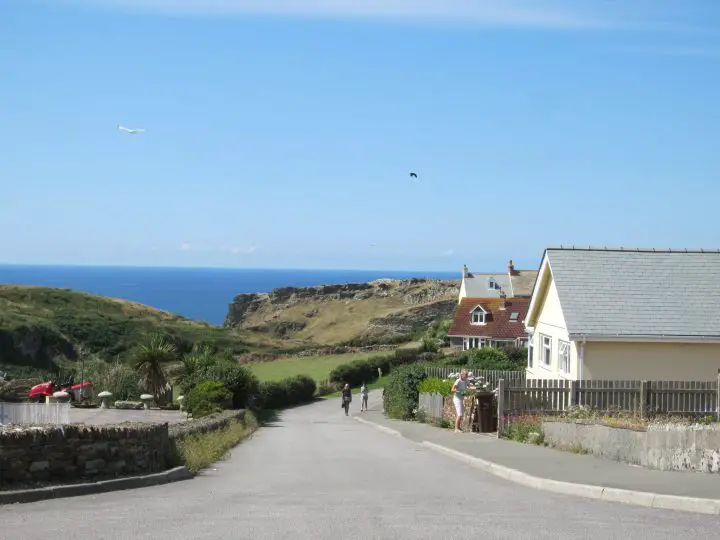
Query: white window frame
(564, 356)
(474, 342)
(545, 347)
(480, 310)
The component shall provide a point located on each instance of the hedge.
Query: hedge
(401, 395)
(287, 392)
(355, 373)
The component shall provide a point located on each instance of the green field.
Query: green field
(317, 367)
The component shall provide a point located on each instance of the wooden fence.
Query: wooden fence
(491, 376)
(431, 405)
(539, 396)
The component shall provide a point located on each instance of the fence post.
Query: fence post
(643, 398)
(572, 400)
(501, 406)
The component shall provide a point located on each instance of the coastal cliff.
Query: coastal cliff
(382, 311)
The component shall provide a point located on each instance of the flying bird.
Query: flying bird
(413, 175)
(130, 131)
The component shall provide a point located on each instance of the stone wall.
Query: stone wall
(449, 413)
(665, 447)
(76, 452)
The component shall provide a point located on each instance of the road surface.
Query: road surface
(316, 474)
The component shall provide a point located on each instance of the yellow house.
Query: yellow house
(623, 314)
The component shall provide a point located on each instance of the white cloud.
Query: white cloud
(185, 246)
(513, 13)
(448, 252)
(239, 250)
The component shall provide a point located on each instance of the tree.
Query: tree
(149, 360)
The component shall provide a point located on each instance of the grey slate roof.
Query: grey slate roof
(630, 293)
(523, 282)
(477, 286)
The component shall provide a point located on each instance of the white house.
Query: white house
(513, 283)
(625, 314)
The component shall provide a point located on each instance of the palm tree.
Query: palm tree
(149, 361)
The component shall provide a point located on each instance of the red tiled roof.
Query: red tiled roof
(498, 324)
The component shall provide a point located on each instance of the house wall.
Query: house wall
(652, 361)
(551, 322)
(463, 290)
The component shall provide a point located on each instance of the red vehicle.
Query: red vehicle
(78, 392)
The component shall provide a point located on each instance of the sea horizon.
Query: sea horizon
(199, 293)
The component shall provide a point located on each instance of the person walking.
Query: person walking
(364, 397)
(346, 398)
(458, 391)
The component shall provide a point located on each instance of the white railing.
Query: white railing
(34, 413)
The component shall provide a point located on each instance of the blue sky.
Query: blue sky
(281, 134)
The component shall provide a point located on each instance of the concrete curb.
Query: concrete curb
(131, 482)
(384, 429)
(624, 496)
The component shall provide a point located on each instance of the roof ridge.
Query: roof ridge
(634, 250)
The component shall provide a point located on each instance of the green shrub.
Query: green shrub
(407, 355)
(287, 392)
(206, 398)
(400, 396)
(355, 373)
(325, 388)
(383, 362)
(490, 358)
(239, 380)
(434, 385)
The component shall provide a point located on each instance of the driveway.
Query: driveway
(316, 474)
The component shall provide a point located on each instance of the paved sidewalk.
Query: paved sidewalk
(557, 465)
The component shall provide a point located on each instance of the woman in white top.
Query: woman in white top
(458, 390)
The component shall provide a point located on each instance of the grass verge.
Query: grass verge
(198, 451)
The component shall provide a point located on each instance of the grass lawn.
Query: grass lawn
(317, 367)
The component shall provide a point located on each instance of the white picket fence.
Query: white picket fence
(34, 413)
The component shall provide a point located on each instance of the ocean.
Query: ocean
(196, 293)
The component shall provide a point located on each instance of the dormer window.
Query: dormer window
(478, 315)
(514, 316)
(493, 285)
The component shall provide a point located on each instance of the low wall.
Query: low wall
(31, 455)
(74, 452)
(449, 413)
(665, 447)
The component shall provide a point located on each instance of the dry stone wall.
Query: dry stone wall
(77, 452)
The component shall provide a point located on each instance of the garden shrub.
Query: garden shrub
(407, 355)
(435, 385)
(401, 392)
(206, 398)
(287, 392)
(383, 362)
(493, 358)
(325, 388)
(355, 373)
(239, 380)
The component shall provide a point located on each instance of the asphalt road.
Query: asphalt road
(316, 474)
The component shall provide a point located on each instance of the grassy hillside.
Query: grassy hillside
(40, 327)
(384, 311)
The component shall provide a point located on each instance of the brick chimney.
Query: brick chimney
(502, 300)
(511, 268)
